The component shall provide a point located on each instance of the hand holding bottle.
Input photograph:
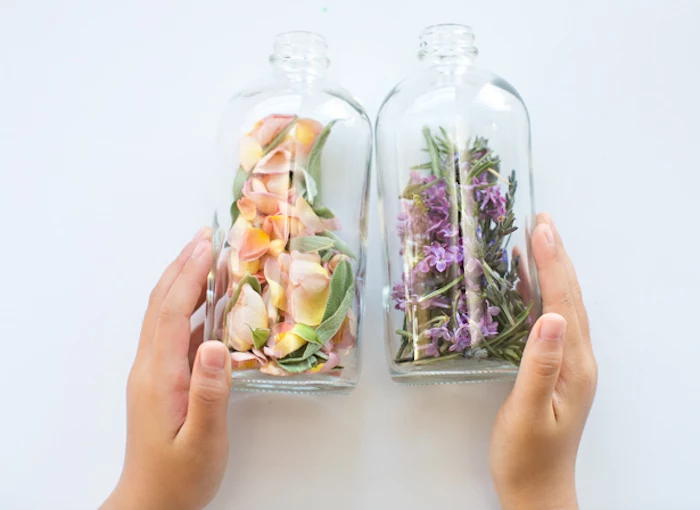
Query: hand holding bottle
(538, 429)
(177, 444)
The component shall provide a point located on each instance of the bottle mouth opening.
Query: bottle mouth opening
(447, 40)
(300, 46)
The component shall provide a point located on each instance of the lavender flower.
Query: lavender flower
(447, 238)
(462, 339)
(440, 257)
(435, 335)
(488, 326)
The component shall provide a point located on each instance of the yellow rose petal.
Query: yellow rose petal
(288, 343)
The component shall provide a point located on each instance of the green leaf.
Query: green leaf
(329, 327)
(310, 244)
(305, 184)
(342, 293)
(323, 212)
(315, 155)
(340, 245)
(238, 182)
(295, 367)
(260, 337)
(341, 281)
(441, 290)
(306, 332)
(433, 151)
(250, 280)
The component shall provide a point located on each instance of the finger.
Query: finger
(196, 339)
(209, 392)
(541, 363)
(556, 295)
(172, 335)
(572, 279)
(523, 285)
(163, 286)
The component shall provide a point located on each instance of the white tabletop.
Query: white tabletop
(107, 116)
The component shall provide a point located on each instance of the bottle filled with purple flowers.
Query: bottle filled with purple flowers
(455, 185)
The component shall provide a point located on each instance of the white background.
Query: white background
(107, 119)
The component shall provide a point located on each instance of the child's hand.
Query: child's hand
(537, 432)
(177, 444)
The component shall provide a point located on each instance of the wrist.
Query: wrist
(541, 498)
(125, 497)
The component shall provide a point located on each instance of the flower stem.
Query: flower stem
(441, 290)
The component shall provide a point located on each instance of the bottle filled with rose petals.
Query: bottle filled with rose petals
(285, 290)
(455, 184)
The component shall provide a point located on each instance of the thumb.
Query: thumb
(541, 363)
(209, 391)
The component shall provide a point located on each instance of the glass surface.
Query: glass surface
(455, 185)
(285, 292)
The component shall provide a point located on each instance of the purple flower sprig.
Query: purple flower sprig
(458, 290)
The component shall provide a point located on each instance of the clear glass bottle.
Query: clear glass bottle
(285, 292)
(455, 187)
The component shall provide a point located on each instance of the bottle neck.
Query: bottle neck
(448, 45)
(300, 55)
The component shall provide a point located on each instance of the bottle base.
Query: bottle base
(317, 386)
(454, 372)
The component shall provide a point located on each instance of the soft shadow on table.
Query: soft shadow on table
(384, 446)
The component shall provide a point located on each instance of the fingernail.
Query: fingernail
(548, 235)
(552, 328)
(212, 357)
(199, 249)
(200, 233)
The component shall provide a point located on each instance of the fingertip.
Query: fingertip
(543, 245)
(202, 248)
(544, 218)
(203, 233)
(214, 356)
(551, 327)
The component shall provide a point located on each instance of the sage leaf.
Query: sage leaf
(260, 336)
(310, 244)
(341, 281)
(340, 245)
(342, 292)
(329, 327)
(306, 332)
(295, 367)
(315, 155)
(323, 212)
(310, 189)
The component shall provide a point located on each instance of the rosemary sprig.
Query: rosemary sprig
(487, 234)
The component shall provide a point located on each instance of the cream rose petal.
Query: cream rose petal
(307, 216)
(250, 152)
(266, 202)
(247, 314)
(268, 128)
(279, 161)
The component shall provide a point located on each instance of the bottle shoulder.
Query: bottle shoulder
(439, 87)
(323, 95)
